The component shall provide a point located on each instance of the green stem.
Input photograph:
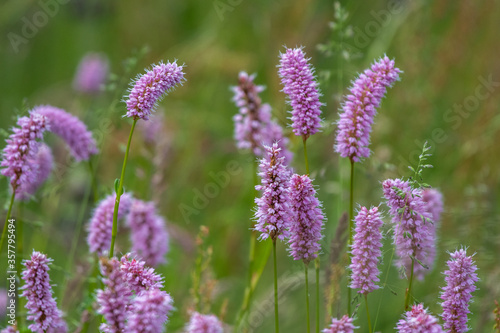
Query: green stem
(307, 298)
(304, 139)
(119, 192)
(368, 314)
(316, 263)
(7, 218)
(276, 316)
(93, 181)
(351, 213)
(408, 292)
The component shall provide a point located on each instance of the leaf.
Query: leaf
(117, 185)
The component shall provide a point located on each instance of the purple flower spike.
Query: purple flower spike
(411, 224)
(91, 73)
(149, 312)
(204, 324)
(344, 325)
(299, 83)
(138, 276)
(434, 205)
(307, 219)
(101, 223)
(359, 109)
(22, 148)
(148, 89)
(115, 298)
(71, 129)
(273, 207)
(366, 250)
(42, 164)
(253, 127)
(41, 306)
(9, 329)
(148, 233)
(460, 284)
(417, 320)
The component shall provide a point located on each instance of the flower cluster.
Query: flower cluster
(342, 325)
(204, 324)
(22, 146)
(460, 284)
(299, 83)
(253, 127)
(411, 224)
(42, 164)
(273, 207)
(359, 109)
(418, 320)
(131, 300)
(101, 223)
(306, 219)
(148, 89)
(148, 233)
(366, 250)
(41, 305)
(433, 200)
(71, 129)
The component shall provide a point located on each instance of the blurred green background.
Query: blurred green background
(447, 50)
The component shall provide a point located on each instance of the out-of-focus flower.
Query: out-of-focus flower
(42, 164)
(91, 74)
(204, 324)
(344, 325)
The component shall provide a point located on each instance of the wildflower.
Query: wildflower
(149, 312)
(148, 89)
(22, 148)
(204, 324)
(411, 224)
(359, 109)
(114, 299)
(91, 73)
(148, 233)
(41, 306)
(417, 320)
(433, 200)
(71, 129)
(42, 164)
(253, 127)
(101, 223)
(307, 219)
(344, 325)
(273, 207)
(138, 276)
(299, 83)
(9, 329)
(366, 250)
(460, 284)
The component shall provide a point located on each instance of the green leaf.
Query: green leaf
(117, 185)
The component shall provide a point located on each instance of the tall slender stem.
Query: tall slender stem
(7, 218)
(307, 297)
(368, 314)
(119, 192)
(316, 264)
(94, 181)
(408, 291)
(305, 154)
(351, 213)
(276, 316)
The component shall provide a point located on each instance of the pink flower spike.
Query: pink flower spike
(433, 200)
(91, 73)
(149, 312)
(204, 324)
(299, 83)
(366, 250)
(359, 109)
(42, 164)
(344, 325)
(148, 89)
(417, 320)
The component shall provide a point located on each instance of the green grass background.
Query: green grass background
(443, 47)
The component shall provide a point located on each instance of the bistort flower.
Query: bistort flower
(148, 89)
(149, 312)
(359, 109)
(71, 129)
(306, 219)
(366, 250)
(299, 83)
(433, 200)
(41, 164)
(204, 324)
(418, 320)
(460, 278)
(41, 305)
(91, 73)
(344, 325)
